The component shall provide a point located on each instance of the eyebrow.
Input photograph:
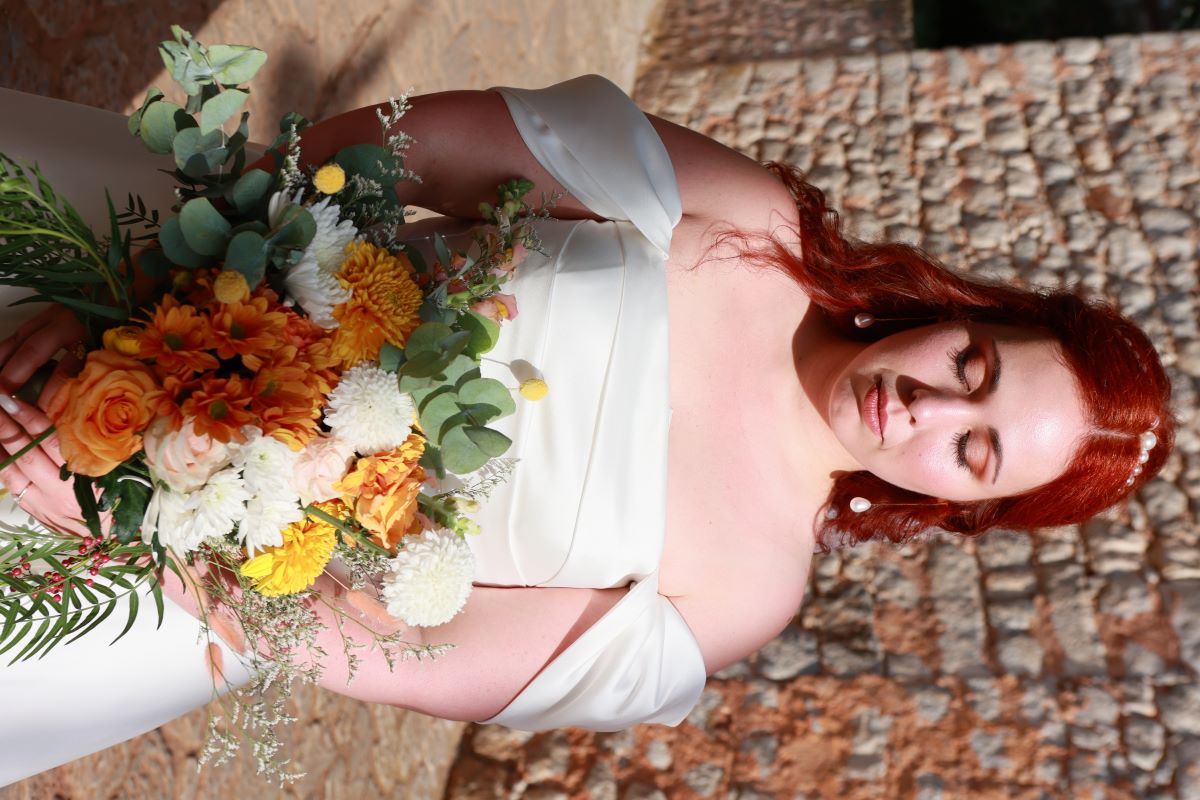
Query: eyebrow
(994, 434)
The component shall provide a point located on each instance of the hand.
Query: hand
(34, 477)
(34, 345)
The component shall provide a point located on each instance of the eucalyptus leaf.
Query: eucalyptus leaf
(153, 95)
(153, 263)
(235, 63)
(461, 370)
(216, 111)
(425, 364)
(204, 229)
(490, 392)
(176, 247)
(299, 232)
(443, 252)
(159, 125)
(196, 153)
(247, 253)
(390, 357)
(427, 338)
(410, 384)
(250, 189)
(491, 442)
(484, 332)
(460, 454)
(435, 413)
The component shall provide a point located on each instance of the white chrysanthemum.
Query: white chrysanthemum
(332, 236)
(266, 517)
(315, 290)
(266, 463)
(368, 411)
(220, 504)
(170, 516)
(430, 579)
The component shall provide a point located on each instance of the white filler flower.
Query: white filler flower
(368, 411)
(430, 579)
(332, 236)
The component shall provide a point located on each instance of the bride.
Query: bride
(734, 385)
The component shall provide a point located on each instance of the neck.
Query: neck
(819, 353)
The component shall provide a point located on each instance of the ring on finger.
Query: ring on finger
(21, 494)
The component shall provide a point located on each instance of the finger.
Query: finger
(19, 423)
(38, 348)
(67, 368)
(27, 329)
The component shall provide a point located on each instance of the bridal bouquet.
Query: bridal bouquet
(298, 387)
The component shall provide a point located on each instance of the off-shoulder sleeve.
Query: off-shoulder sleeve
(637, 663)
(599, 145)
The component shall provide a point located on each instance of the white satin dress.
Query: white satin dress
(586, 506)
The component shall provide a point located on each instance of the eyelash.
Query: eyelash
(960, 449)
(958, 365)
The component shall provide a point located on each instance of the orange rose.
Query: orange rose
(382, 491)
(100, 414)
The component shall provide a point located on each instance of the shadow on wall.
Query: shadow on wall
(76, 50)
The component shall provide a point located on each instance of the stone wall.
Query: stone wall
(1061, 665)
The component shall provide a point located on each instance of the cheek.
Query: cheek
(920, 466)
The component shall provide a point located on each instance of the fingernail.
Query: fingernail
(9, 404)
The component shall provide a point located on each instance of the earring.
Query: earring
(864, 320)
(860, 504)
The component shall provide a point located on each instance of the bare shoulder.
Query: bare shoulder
(745, 612)
(720, 184)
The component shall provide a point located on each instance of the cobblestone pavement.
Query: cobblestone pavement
(732, 31)
(1060, 665)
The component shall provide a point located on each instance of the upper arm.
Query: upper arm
(466, 143)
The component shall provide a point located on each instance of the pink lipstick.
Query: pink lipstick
(870, 411)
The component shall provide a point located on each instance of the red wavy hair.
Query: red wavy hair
(1120, 377)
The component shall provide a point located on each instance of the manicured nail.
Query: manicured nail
(9, 404)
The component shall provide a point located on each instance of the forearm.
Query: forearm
(465, 145)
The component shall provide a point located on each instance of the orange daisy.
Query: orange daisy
(247, 329)
(178, 339)
(285, 398)
(220, 407)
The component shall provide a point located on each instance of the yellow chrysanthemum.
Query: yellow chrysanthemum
(330, 179)
(384, 305)
(293, 566)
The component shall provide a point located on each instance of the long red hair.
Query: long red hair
(1121, 380)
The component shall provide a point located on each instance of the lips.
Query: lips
(870, 411)
(883, 415)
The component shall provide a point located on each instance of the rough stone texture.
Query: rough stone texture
(730, 31)
(1057, 665)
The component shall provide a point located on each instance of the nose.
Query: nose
(928, 405)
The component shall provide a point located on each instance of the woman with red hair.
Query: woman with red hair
(734, 384)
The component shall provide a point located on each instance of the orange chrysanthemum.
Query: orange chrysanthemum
(178, 339)
(220, 407)
(383, 308)
(285, 398)
(247, 329)
(382, 491)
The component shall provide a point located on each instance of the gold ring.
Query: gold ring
(79, 350)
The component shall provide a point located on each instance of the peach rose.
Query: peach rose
(498, 307)
(322, 463)
(100, 414)
(183, 459)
